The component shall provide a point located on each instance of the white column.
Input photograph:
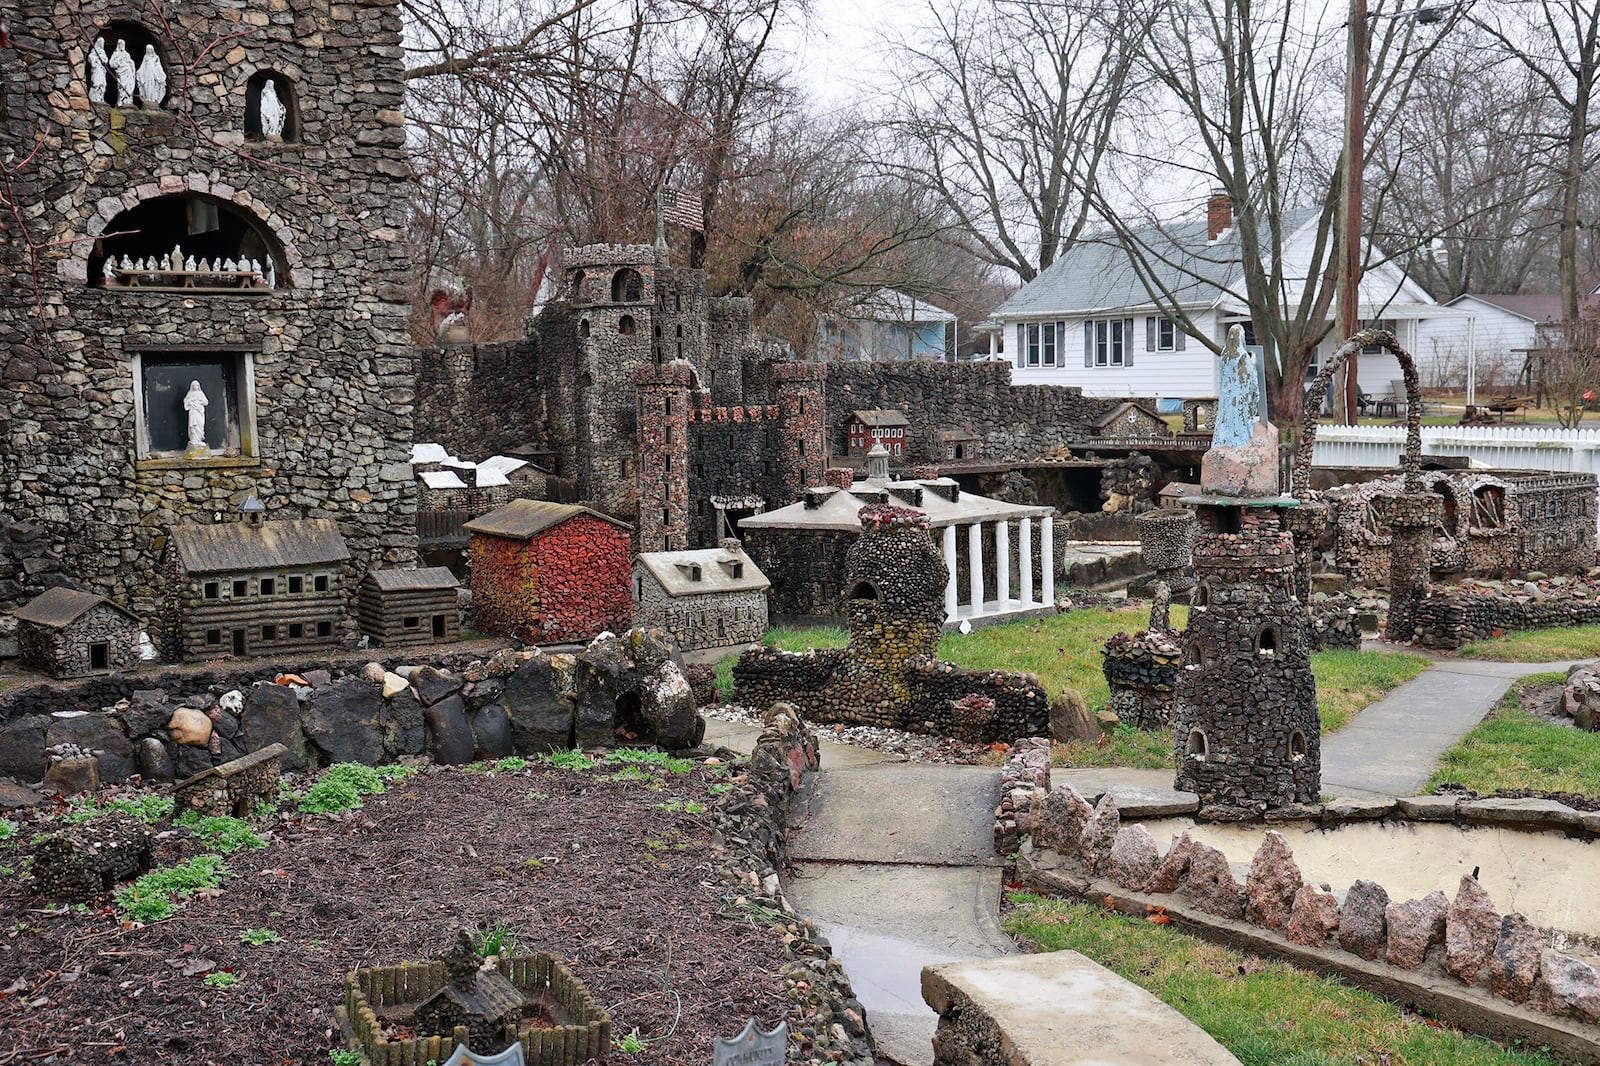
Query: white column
(950, 565)
(975, 566)
(1025, 561)
(1002, 563)
(1047, 561)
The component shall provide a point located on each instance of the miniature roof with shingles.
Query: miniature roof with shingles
(1121, 410)
(58, 608)
(526, 519)
(674, 571)
(427, 577)
(877, 419)
(230, 547)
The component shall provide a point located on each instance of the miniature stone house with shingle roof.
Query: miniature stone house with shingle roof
(707, 598)
(255, 588)
(69, 633)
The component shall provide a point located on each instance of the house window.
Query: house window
(297, 585)
(214, 637)
(413, 622)
(213, 590)
(269, 586)
(269, 634)
(214, 389)
(1047, 344)
(241, 588)
(1166, 335)
(320, 583)
(100, 656)
(1111, 339)
(324, 629)
(297, 630)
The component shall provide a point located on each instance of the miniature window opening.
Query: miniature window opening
(214, 636)
(583, 328)
(187, 242)
(297, 585)
(194, 405)
(413, 621)
(438, 627)
(1201, 596)
(1297, 745)
(296, 630)
(1450, 520)
(625, 325)
(213, 590)
(667, 408)
(864, 590)
(324, 629)
(1267, 641)
(1197, 746)
(1489, 507)
(1228, 519)
(127, 67)
(100, 656)
(241, 588)
(626, 286)
(320, 583)
(269, 633)
(271, 108)
(738, 570)
(269, 586)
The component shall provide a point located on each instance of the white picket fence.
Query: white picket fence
(1503, 447)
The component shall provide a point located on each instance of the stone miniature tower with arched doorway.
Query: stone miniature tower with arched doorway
(1245, 721)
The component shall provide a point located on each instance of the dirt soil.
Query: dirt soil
(630, 895)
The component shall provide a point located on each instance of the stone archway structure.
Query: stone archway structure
(75, 268)
(1410, 516)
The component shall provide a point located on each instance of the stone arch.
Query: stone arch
(291, 265)
(1197, 745)
(1411, 459)
(864, 590)
(1297, 745)
(137, 37)
(1267, 640)
(627, 286)
(626, 325)
(284, 87)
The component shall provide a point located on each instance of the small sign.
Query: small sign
(752, 1047)
(463, 1056)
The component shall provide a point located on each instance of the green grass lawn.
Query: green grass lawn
(1537, 646)
(1513, 749)
(1265, 1013)
(1064, 651)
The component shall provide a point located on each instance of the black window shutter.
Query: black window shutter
(1178, 336)
(1150, 333)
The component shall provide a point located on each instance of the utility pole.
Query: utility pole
(1355, 137)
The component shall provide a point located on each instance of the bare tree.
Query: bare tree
(1568, 364)
(1003, 112)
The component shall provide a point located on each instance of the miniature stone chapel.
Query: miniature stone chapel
(1245, 721)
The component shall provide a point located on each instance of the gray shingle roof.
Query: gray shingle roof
(526, 519)
(234, 546)
(424, 578)
(1097, 273)
(58, 608)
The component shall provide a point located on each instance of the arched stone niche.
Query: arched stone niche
(283, 88)
(105, 83)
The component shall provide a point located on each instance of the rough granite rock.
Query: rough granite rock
(404, 732)
(491, 733)
(1515, 966)
(1415, 926)
(434, 685)
(1133, 859)
(1099, 833)
(344, 721)
(1273, 882)
(1471, 930)
(1061, 819)
(1175, 865)
(271, 715)
(1568, 987)
(449, 733)
(1211, 886)
(1361, 920)
(1313, 918)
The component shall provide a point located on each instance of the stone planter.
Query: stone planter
(1165, 537)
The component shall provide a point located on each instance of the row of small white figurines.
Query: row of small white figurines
(150, 78)
(175, 262)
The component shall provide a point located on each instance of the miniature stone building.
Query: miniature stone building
(549, 572)
(865, 429)
(235, 787)
(270, 281)
(482, 1001)
(1245, 719)
(1129, 420)
(255, 588)
(1141, 669)
(888, 674)
(711, 598)
(957, 445)
(400, 608)
(74, 634)
(88, 860)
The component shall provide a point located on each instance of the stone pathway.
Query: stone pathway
(894, 861)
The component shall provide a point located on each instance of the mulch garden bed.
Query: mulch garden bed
(571, 862)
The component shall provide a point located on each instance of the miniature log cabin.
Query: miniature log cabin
(254, 588)
(398, 608)
(68, 633)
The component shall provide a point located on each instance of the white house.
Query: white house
(883, 326)
(1491, 338)
(1089, 320)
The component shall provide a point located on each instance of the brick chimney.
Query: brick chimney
(1219, 213)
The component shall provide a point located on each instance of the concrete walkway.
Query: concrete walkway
(1392, 747)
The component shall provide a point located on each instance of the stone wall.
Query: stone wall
(805, 566)
(1451, 615)
(333, 376)
(709, 620)
(480, 399)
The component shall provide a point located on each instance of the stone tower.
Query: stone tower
(234, 216)
(1245, 722)
(612, 291)
(797, 389)
(665, 396)
(894, 591)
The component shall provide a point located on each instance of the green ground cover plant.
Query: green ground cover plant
(1537, 645)
(636, 757)
(1515, 749)
(152, 897)
(222, 832)
(569, 760)
(221, 980)
(8, 830)
(257, 937)
(1265, 1013)
(147, 809)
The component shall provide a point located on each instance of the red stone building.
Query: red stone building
(545, 572)
(868, 428)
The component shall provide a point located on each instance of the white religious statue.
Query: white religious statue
(152, 77)
(98, 61)
(127, 264)
(195, 402)
(230, 266)
(272, 112)
(188, 264)
(122, 69)
(110, 270)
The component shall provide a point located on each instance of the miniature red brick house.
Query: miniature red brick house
(867, 428)
(545, 572)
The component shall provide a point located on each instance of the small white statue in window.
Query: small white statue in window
(110, 270)
(195, 403)
(272, 112)
(152, 78)
(98, 61)
(122, 69)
